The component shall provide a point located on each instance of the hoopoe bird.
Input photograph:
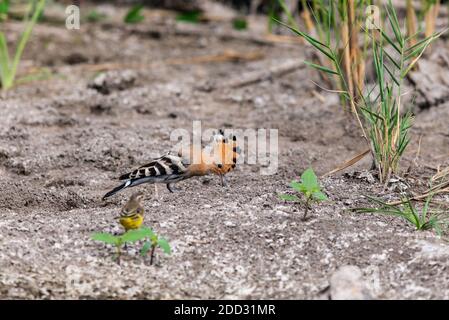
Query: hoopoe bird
(219, 158)
(131, 216)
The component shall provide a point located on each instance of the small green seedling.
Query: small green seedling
(427, 219)
(190, 17)
(151, 245)
(134, 14)
(239, 24)
(309, 187)
(118, 241)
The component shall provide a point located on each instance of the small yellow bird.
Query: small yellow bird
(131, 216)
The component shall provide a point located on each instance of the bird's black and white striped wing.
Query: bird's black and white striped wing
(165, 166)
(166, 169)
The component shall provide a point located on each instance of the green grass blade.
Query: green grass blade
(286, 10)
(4, 59)
(313, 41)
(321, 68)
(392, 60)
(392, 76)
(23, 41)
(390, 41)
(394, 22)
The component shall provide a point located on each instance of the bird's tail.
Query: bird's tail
(117, 189)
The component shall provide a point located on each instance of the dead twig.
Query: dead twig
(348, 163)
(441, 188)
(420, 197)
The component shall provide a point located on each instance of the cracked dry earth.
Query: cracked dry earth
(62, 143)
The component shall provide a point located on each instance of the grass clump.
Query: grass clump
(309, 188)
(426, 219)
(378, 111)
(8, 67)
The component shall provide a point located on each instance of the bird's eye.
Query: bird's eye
(219, 165)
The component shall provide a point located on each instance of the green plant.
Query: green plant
(151, 245)
(309, 187)
(134, 15)
(381, 115)
(427, 219)
(8, 68)
(132, 236)
(189, 16)
(239, 24)
(118, 241)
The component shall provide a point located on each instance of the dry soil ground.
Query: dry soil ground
(62, 144)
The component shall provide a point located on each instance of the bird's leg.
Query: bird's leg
(156, 193)
(171, 188)
(224, 183)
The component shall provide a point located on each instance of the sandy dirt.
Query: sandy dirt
(64, 142)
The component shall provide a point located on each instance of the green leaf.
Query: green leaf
(134, 14)
(310, 180)
(4, 58)
(319, 196)
(105, 237)
(394, 22)
(391, 75)
(297, 186)
(288, 197)
(163, 244)
(321, 68)
(390, 41)
(149, 233)
(287, 12)
(145, 248)
(134, 235)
